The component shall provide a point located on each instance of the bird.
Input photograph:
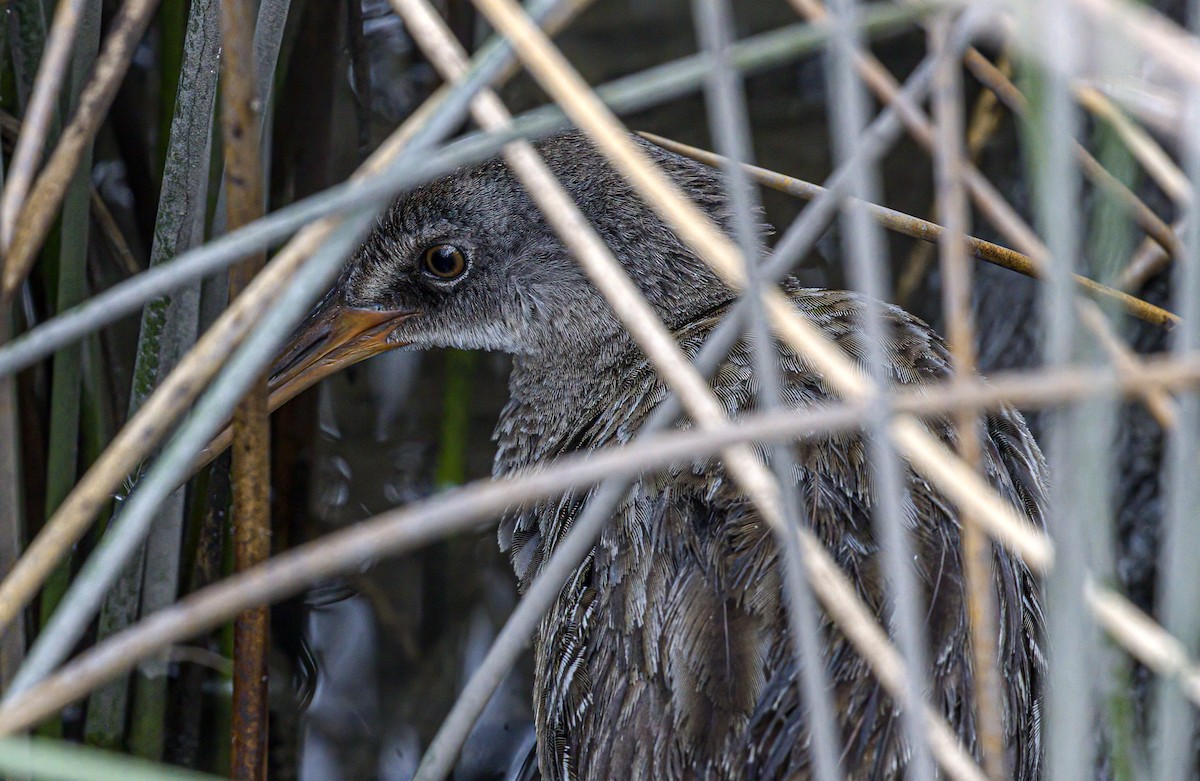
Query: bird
(667, 653)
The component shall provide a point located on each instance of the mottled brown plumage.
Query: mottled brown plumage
(666, 655)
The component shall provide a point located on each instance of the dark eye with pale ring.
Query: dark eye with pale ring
(444, 261)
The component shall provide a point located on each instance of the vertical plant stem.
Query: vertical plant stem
(30, 19)
(63, 450)
(187, 166)
(1174, 717)
(29, 40)
(1078, 506)
(12, 510)
(1110, 242)
(241, 126)
(168, 329)
(63, 453)
(452, 453)
(268, 39)
(172, 24)
(865, 258)
(729, 121)
(12, 640)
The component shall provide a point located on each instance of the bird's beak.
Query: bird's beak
(334, 337)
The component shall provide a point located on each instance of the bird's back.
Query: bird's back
(667, 655)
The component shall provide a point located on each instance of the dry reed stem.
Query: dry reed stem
(242, 129)
(1161, 405)
(112, 233)
(47, 86)
(957, 286)
(42, 205)
(557, 77)
(1146, 262)
(986, 117)
(986, 196)
(643, 323)
(928, 231)
(985, 121)
(399, 530)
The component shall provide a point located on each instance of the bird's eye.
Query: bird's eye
(445, 261)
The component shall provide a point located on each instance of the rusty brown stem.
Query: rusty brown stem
(241, 125)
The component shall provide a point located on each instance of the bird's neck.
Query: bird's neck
(555, 396)
(557, 388)
(564, 380)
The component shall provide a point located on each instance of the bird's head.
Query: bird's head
(468, 261)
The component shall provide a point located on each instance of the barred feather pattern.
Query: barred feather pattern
(667, 654)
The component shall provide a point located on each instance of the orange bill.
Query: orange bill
(335, 336)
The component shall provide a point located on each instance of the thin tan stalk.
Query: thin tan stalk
(1144, 638)
(985, 121)
(242, 128)
(43, 203)
(113, 235)
(1146, 262)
